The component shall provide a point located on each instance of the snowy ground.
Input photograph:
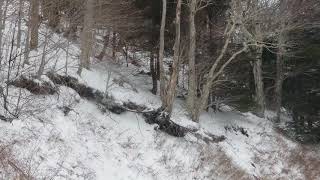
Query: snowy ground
(86, 143)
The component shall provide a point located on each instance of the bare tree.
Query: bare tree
(217, 69)
(194, 6)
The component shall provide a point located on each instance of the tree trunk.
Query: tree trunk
(114, 45)
(280, 62)
(153, 73)
(34, 24)
(258, 79)
(157, 64)
(192, 88)
(161, 55)
(20, 15)
(86, 36)
(27, 44)
(257, 72)
(105, 47)
(215, 72)
(43, 58)
(171, 91)
(280, 75)
(2, 26)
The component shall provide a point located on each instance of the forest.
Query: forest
(159, 89)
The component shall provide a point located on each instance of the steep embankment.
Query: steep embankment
(62, 135)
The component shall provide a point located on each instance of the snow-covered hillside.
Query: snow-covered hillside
(63, 136)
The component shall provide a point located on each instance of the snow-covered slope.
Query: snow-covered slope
(46, 142)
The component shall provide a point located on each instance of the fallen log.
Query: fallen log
(167, 125)
(39, 88)
(105, 102)
(102, 99)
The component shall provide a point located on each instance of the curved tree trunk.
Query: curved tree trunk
(171, 90)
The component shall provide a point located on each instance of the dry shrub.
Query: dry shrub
(299, 162)
(11, 168)
(307, 158)
(222, 165)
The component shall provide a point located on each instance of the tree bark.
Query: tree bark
(27, 44)
(114, 45)
(161, 55)
(280, 75)
(257, 70)
(2, 26)
(34, 24)
(43, 58)
(20, 15)
(153, 73)
(280, 62)
(258, 79)
(192, 87)
(105, 47)
(215, 72)
(86, 36)
(171, 91)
